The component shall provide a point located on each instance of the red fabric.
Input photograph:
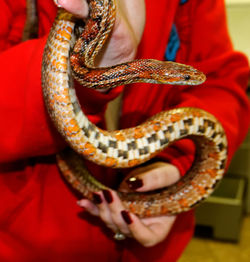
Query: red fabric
(39, 218)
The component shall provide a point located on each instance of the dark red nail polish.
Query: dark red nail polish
(134, 183)
(97, 199)
(126, 217)
(107, 195)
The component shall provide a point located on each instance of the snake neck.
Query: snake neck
(110, 77)
(140, 70)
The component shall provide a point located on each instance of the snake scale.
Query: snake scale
(70, 53)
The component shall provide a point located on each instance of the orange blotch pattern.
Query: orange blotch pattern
(138, 133)
(164, 210)
(111, 162)
(71, 128)
(183, 202)
(156, 126)
(133, 162)
(89, 149)
(119, 136)
(214, 156)
(175, 117)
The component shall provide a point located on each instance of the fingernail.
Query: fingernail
(97, 199)
(107, 195)
(134, 183)
(126, 217)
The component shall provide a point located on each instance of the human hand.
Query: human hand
(126, 35)
(108, 206)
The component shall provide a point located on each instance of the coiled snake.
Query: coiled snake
(133, 146)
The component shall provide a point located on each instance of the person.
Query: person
(40, 220)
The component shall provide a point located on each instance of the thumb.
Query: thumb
(77, 7)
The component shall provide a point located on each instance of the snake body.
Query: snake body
(132, 146)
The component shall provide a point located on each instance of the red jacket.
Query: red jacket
(39, 218)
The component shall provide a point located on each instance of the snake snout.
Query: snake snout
(193, 77)
(179, 74)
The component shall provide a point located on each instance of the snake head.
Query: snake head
(165, 72)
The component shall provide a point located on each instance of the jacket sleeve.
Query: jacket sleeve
(26, 130)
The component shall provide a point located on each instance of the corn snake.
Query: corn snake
(133, 146)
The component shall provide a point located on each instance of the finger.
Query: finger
(115, 207)
(98, 208)
(146, 232)
(89, 206)
(103, 210)
(76, 7)
(153, 176)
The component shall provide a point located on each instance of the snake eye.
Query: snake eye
(187, 77)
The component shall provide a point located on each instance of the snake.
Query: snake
(69, 55)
